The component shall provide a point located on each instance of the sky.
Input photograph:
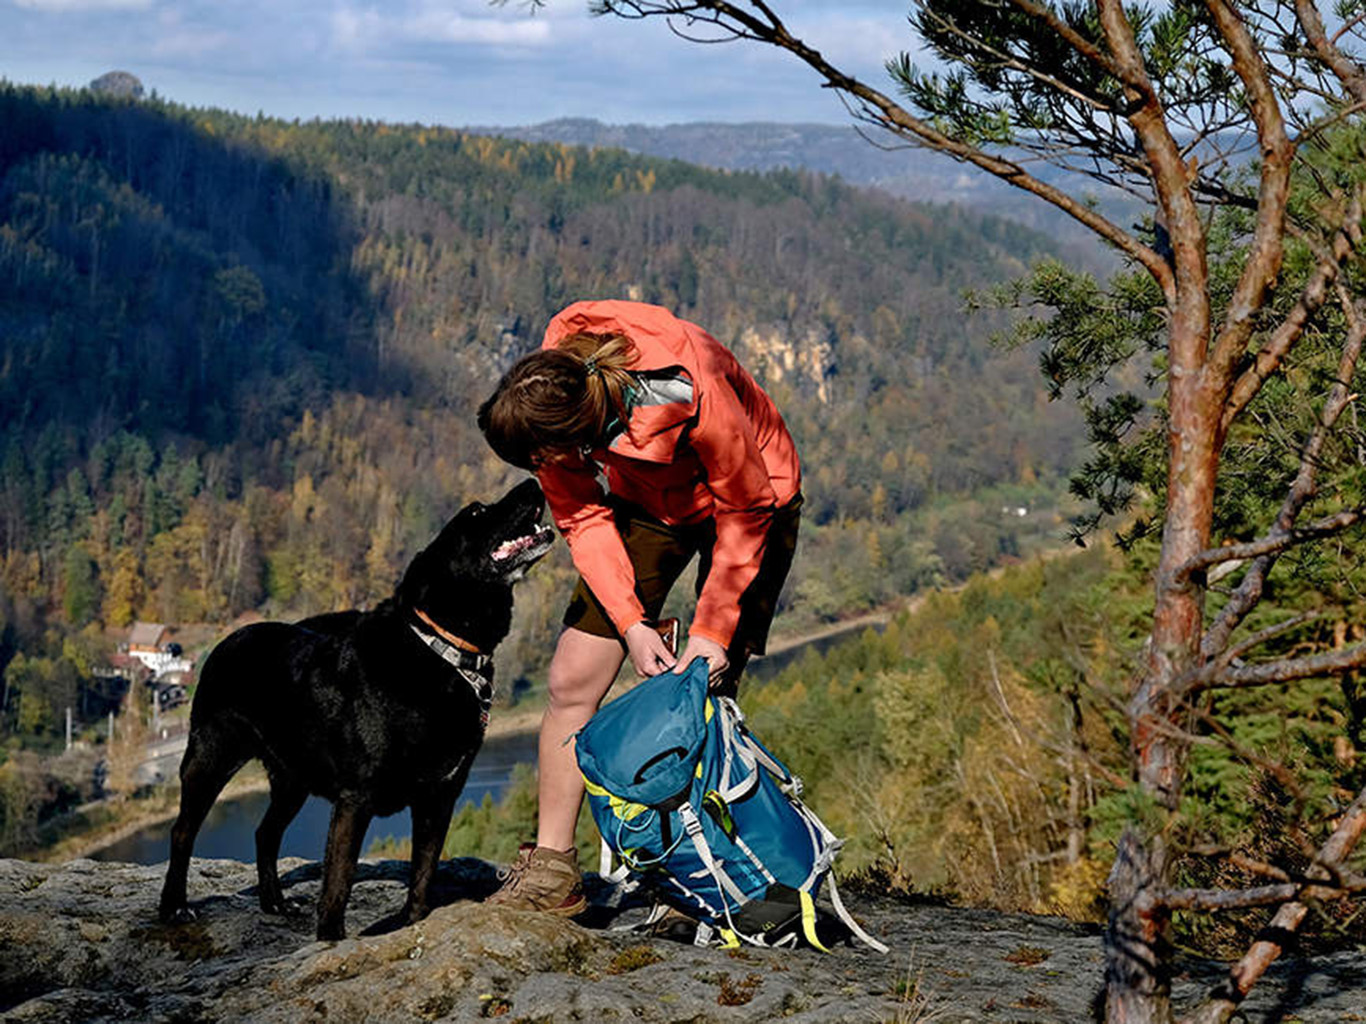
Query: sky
(449, 62)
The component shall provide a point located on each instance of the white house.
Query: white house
(146, 644)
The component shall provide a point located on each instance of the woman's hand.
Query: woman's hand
(701, 647)
(649, 653)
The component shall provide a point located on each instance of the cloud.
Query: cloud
(372, 29)
(455, 28)
(64, 6)
(193, 43)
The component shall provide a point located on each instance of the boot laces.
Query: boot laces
(512, 875)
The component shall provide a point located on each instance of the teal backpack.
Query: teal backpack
(689, 800)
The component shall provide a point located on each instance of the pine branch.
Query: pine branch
(1225, 999)
(1259, 896)
(1068, 34)
(1007, 60)
(1270, 633)
(1346, 236)
(1351, 75)
(1243, 862)
(1301, 491)
(1273, 542)
(1186, 276)
(1287, 669)
(1277, 154)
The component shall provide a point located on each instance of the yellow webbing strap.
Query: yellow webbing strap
(729, 940)
(594, 788)
(621, 808)
(809, 921)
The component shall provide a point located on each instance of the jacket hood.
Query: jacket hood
(666, 362)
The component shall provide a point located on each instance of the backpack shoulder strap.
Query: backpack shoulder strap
(848, 918)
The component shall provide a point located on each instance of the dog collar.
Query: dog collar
(473, 667)
(445, 634)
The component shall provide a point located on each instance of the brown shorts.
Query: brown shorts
(659, 554)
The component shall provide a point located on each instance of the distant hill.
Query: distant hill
(861, 157)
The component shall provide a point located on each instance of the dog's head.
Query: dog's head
(497, 543)
(464, 578)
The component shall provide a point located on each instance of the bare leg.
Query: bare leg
(581, 673)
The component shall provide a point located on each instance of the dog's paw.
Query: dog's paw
(283, 907)
(177, 915)
(412, 915)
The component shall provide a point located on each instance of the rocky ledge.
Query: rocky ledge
(81, 942)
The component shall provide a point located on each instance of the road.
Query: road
(161, 760)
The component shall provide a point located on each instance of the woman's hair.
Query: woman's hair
(559, 399)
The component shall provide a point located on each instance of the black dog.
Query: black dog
(375, 711)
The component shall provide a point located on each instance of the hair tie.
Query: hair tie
(590, 366)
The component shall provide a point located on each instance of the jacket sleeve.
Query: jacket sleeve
(744, 502)
(582, 515)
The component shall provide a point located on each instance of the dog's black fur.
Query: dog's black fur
(355, 707)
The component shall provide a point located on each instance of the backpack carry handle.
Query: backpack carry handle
(671, 752)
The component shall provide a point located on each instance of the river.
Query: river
(229, 832)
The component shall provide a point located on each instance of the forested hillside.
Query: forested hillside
(911, 173)
(239, 359)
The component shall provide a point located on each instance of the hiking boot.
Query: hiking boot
(542, 879)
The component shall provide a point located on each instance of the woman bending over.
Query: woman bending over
(696, 460)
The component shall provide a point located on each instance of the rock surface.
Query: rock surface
(81, 942)
(121, 84)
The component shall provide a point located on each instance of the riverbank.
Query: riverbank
(108, 821)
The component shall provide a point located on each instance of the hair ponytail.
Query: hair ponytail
(607, 383)
(561, 398)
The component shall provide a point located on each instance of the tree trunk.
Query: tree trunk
(1138, 983)
(1076, 786)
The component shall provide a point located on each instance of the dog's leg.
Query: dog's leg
(286, 797)
(211, 759)
(344, 836)
(431, 820)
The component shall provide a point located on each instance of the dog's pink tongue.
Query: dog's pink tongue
(510, 547)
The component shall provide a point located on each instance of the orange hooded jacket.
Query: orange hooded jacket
(702, 441)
